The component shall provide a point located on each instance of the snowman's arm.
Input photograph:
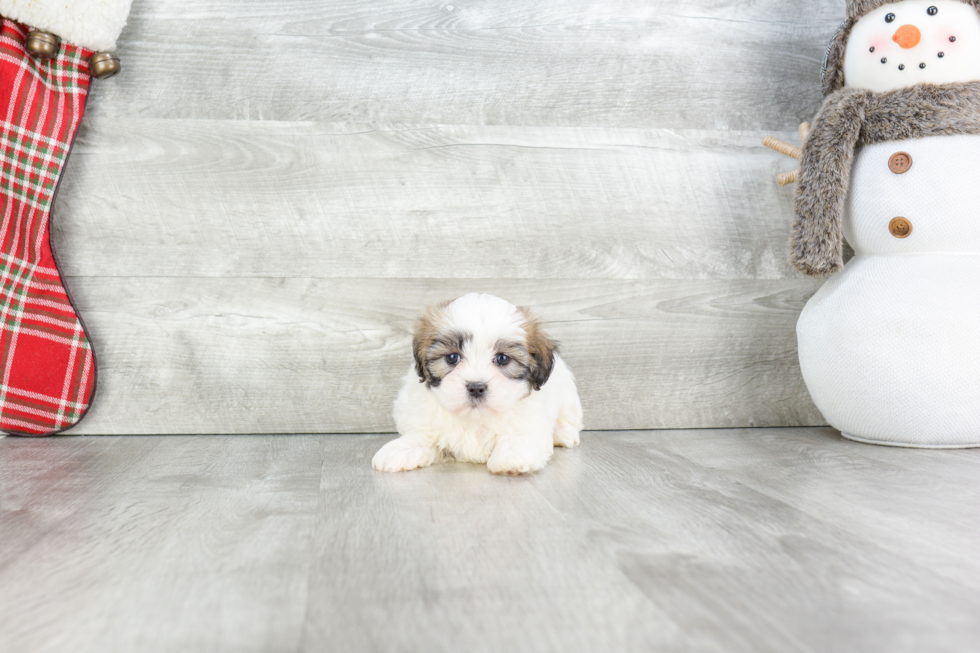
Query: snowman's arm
(804, 132)
(789, 150)
(788, 178)
(783, 147)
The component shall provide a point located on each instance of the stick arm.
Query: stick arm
(789, 150)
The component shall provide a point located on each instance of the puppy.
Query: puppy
(487, 386)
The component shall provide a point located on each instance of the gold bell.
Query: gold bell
(102, 65)
(42, 44)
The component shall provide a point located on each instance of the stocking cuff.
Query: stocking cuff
(92, 24)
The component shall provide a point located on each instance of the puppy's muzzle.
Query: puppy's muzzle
(477, 391)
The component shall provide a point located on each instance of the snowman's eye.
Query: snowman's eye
(932, 11)
(890, 18)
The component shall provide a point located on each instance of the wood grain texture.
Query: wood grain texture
(226, 355)
(698, 64)
(864, 497)
(224, 198)
(755, 541)
(211, 538)
(257, 208)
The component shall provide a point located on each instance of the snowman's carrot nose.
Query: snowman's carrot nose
(907, 36)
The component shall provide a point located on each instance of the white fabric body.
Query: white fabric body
(890, 347)
(93, 24)
(863, 68)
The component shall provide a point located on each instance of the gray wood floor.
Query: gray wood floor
(259, 205)
(760, 540)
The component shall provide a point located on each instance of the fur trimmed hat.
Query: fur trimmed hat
(833, 63)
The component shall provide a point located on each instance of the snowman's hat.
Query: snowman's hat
(833, 63)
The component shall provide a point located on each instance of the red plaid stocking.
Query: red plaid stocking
(46, 361)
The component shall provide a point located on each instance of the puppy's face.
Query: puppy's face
(480, 355)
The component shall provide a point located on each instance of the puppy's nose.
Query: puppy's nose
(476, 390)
(907, 36)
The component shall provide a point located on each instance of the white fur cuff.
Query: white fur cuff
(93, 24)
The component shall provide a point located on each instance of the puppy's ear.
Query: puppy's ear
(426, 330)
(541, 348)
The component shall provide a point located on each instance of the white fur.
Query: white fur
(514, 431)
(93, 24)
(960, 61)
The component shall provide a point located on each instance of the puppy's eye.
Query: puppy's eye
(889, 18)
(452, 359)
(501, 359)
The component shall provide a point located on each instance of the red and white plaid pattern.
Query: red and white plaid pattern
(46, 363)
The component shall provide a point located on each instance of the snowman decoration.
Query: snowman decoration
(890, 344)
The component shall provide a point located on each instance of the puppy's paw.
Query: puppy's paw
(566, 435)
(403, 456)
(512, 461)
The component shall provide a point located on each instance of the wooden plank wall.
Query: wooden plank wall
(258, 207)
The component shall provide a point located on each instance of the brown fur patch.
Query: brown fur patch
(519, 367)
(540, 348)
(436, 366)
(852, 117)
(427, 329)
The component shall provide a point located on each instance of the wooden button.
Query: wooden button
(900, 228)
(900, 162)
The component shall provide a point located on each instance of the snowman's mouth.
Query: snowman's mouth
(922, 65)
